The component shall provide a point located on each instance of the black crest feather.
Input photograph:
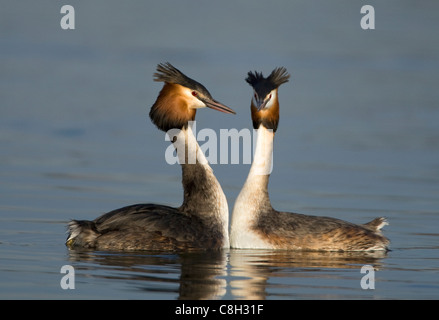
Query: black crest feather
(166, 72)
(264, 85)
(278, 76)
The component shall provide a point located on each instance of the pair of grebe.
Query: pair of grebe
(202, 221)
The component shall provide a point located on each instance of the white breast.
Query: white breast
(251, 198)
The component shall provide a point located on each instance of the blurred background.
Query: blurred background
(358, 135)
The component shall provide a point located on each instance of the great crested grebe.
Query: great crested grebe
(201, 222)
(255, 224)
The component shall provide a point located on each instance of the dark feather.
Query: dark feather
(166, 72)
(145, 227)
(262, 85)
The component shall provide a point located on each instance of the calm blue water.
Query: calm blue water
(358, 138)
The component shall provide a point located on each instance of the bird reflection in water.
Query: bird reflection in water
(225, 274)
(197, 275)
(252, 269)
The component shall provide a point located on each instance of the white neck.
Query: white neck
(254, 194)
(263, 155)
(203, 195)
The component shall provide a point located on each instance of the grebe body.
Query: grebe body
(201, 222)
(255, 224)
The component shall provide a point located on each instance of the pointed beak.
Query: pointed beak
(260, 104)
(217, 106)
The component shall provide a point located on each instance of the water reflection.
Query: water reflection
(209, 275)
(195, 275)
(251, 269)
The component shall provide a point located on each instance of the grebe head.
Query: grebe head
(179, 98)
(265, 103)
(265, 88)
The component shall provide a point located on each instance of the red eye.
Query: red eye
(194, 93)
(269, 96)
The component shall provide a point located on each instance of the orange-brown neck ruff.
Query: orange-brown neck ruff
(269, 118)
(171, 109)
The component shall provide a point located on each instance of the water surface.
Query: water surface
(358, 138)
